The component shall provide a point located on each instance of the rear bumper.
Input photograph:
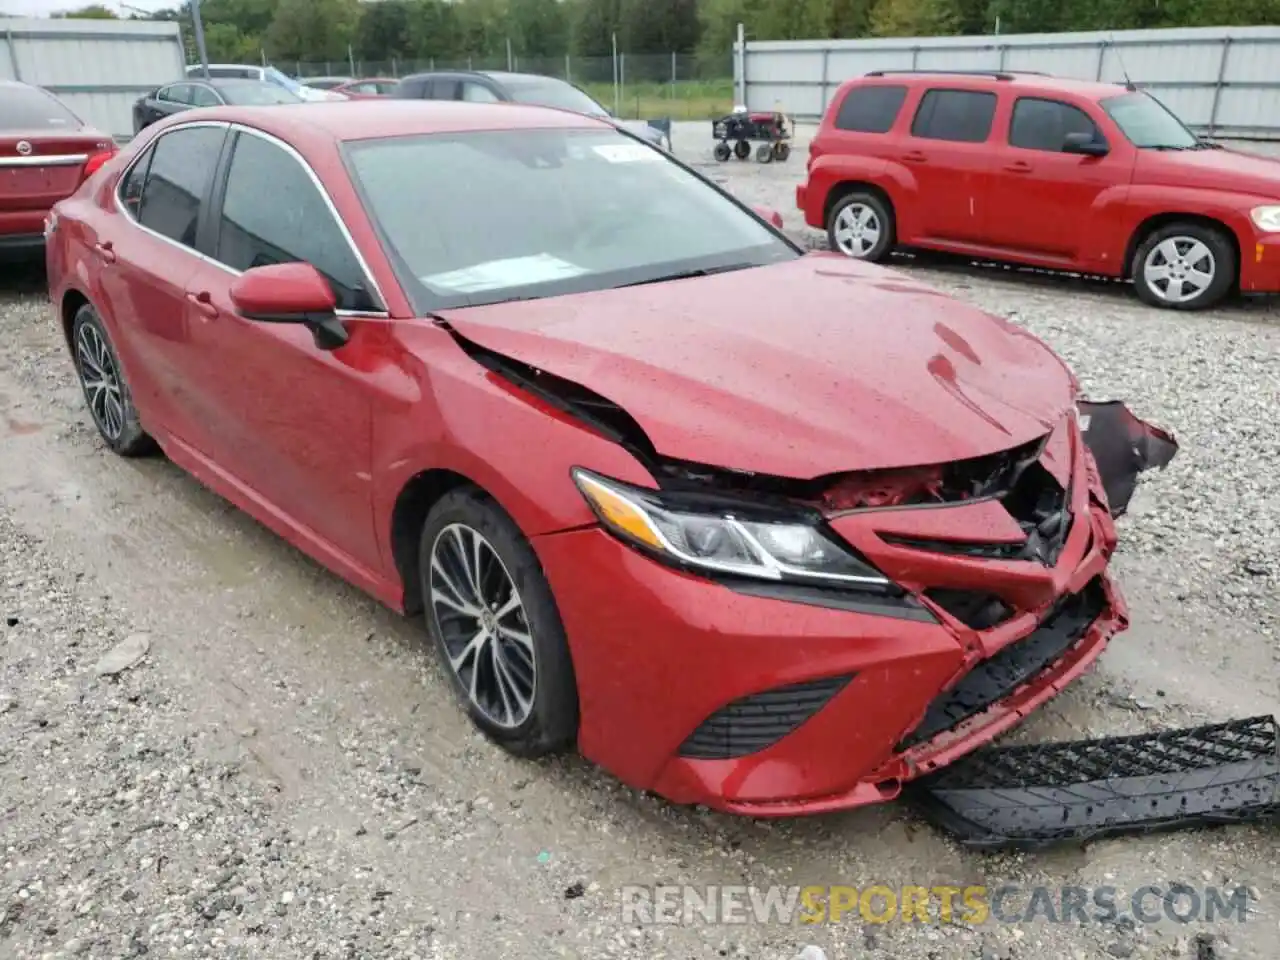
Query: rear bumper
(1033, 796)
(21, 244)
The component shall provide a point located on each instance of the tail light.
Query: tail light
(96, 161)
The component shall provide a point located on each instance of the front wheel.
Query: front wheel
(1184, 266)
(861, 226)
(105, 389)
(494, 621)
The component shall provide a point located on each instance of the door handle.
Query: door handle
(204, 303)
(1018, 166)
(105, 250)
(915, 156)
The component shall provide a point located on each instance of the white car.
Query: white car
(241, 71)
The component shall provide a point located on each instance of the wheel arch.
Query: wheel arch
(72, 301)
(419, 494)
(1160, 220)
(844, 188)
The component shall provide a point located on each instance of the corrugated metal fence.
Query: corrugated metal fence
(97, 67)
(1223, 81)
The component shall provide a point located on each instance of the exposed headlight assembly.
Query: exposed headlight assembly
(1266, 218)
(712, 536)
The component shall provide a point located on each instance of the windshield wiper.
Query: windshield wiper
(688, 274)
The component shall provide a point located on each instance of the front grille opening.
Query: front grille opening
(994, 679)
(973, 608)
(753, 723)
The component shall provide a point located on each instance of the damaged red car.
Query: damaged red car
(768, 531)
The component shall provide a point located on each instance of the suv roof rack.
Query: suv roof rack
(994, 74)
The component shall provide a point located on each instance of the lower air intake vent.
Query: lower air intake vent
(981, 611)
(760, 720)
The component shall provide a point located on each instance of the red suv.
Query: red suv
(1064, 174)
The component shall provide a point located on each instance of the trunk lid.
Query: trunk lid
(39, 167)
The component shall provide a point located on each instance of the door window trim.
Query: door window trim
(1041, 98)
(220, 176)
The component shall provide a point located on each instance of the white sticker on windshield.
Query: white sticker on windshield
(625, 152)
(513, 272)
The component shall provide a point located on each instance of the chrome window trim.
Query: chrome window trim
(374, 289)
(60, 160)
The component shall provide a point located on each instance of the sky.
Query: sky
(42, 8)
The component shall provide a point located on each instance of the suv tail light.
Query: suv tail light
(97, 160)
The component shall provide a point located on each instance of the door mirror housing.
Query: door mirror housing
(291, 293)
(1085, 145)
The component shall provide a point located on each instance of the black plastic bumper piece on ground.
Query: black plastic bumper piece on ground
(1027, 797)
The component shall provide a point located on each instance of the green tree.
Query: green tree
(433, 29)
(915, 18)
(94, 11)
(659, 26)
(313, 29)
(538, 27)
(594, 24)
(384, 31)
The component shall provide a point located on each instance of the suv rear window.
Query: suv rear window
(871, 109)
(26, 108)
(962, 116)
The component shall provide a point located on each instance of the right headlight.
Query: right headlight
(1266, 218)
(716, 536)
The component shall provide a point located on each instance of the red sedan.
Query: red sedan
(768, 531)
(46, 152)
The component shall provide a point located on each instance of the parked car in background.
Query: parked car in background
(240, 71)
(46, 152)
(768, 531)
(188, 94)
(492, 86)
(1066, 174)
(368, 87)
(324, 83)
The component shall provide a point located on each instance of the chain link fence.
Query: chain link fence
(679, 86)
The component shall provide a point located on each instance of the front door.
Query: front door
(295, 421)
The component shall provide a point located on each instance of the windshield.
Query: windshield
(549, 92)
(249, 93)
(1148, 123)
(28, 108)
(480, 218)
(272, 75)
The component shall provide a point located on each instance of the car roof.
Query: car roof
(499, 75)
(311, 124)
(1026, 81)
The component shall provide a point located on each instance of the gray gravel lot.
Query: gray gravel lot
(283, 773)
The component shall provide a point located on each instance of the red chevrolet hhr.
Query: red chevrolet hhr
(1064, 174)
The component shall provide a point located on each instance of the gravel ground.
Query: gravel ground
(282, 773)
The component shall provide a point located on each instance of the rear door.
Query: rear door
(43, 150)
(1042, 200)
(946, 155)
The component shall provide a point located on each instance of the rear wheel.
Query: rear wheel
(742, 149)
(1184, 266)
(861, 226)
(781, 150)
(723, 152)
(764, 153)
(493, 618)
(105, 389)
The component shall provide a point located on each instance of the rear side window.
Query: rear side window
(961, 116)
(178, 180)
(1044, 124)
(31, 109)
(870, 109)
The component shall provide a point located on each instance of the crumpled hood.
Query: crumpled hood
(815, 366)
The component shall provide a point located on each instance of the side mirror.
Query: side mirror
(770, 214)
(1085, 145)
(291, 293)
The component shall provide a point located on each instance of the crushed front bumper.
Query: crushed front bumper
(1026, 797)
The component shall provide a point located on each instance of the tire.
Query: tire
(764, 153)
(723, 152)
(861, 226)
(106, 392)
(1184, 266)
(529, 704)
(742, 149)
(781, 151)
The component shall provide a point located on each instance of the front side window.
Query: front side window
(871, 109)
(272, 212)
(1147, 123)
(133, 182)
(177, 183)
(961, 116)
(1039, 124)
(596, 210)
(549, 92)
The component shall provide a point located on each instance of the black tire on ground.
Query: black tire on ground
(552, 721)
(742, 149)
(106, 392)
(883, 216)
(1183, 253)
(764, 153)
(723, 151)
(781, 151)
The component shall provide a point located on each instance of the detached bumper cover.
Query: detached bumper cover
(1026, 797)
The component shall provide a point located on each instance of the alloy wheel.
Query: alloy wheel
(101, 381)
(1179, 269)
(857, 230)
(481, 620)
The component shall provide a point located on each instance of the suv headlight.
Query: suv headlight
(1266, 218)
(713, 535)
